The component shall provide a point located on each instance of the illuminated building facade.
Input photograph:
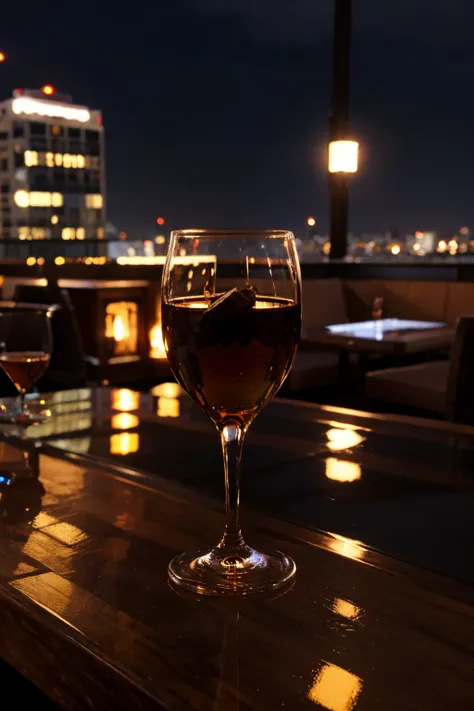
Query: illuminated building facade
(52, 179)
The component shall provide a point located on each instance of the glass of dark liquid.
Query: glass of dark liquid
(25, 351)
(231, 319)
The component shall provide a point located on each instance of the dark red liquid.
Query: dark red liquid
(231, 363)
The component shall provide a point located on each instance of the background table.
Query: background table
(385, 336)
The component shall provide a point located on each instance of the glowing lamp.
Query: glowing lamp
(343, 156)
(2, 56)
(160, 220)
(47, 89)
(311, 221)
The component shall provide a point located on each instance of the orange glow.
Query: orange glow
(418, 234)
(157, 345)
(311, 221)
(119, 329)
(47, 89)
(168, 407)
(125, 400)
(347, 547)
(342, 471)
(124, 421)
(160, 220)
(124, 443)
(334, 688)
(2, 56)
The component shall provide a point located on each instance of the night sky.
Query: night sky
(216, 110)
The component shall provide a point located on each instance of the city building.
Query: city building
(52, 177)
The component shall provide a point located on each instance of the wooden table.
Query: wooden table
(388, 336)
(86, 611)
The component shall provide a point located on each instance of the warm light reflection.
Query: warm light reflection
(334, 688)
(125, 400)
(167, 390)
(343, 156)
(346, 609)
(124, 443)
(168, 407)
(347, 547)
(342, 438)
(157, 345)
(342, 471)
(124, 421)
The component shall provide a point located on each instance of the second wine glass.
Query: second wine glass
(231, 313)
(25, 351)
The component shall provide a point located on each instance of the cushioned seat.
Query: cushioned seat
(424, 386)
(312, 370)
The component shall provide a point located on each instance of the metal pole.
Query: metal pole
(339, 125)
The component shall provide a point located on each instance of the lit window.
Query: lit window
(80, 233)
(58, 159)
(80, 161)
(100, 233)
(23, 232)
(67, 160)
(68, 233)
(54, 219)
(21, 198)
(56, 130)
(94, 201)
(38, 232)
(31, 158)
(50, 160)
(40, 199)
(57, 200)
(73, 161)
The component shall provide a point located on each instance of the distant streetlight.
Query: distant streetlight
(311, 221)
(3, 56)
(160, 220)
(47, 89)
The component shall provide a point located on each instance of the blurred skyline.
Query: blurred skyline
(216, 111)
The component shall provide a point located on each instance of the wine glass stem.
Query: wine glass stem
(232, 438)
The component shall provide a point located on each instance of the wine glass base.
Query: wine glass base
(220, 571)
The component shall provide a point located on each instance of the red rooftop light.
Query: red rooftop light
(160, 220)
(47, 89)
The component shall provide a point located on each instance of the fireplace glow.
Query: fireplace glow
(121, 328)
(157, 345)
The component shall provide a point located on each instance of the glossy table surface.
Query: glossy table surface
(86, 611)
(388, 336)
(403, 486)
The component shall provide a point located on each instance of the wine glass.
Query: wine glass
(231, 318)
(25, 351)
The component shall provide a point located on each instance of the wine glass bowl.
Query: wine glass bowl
(231, 316)
(25, 350)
